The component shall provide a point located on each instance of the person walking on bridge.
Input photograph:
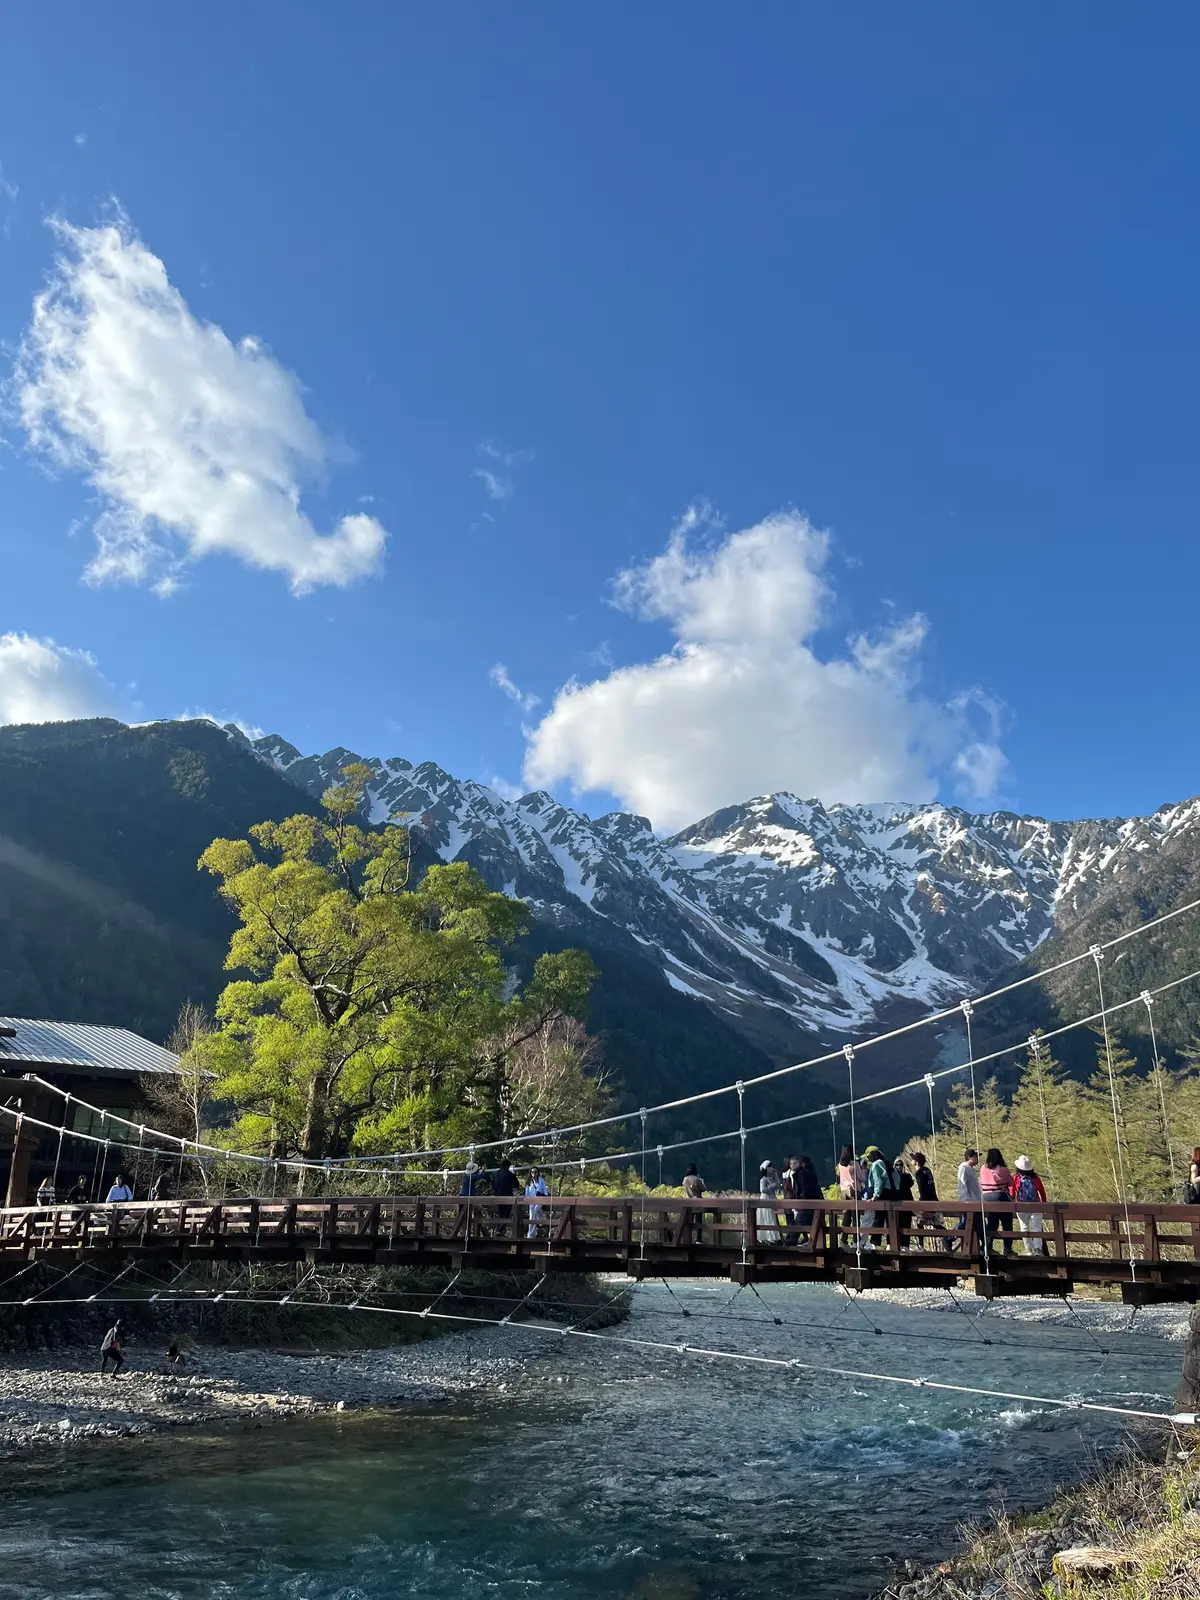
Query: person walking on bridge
(927, 1190)
(852, 1180)
(504, 1184)
(693, 1189)
(801, 1183)
(1027, 1187)
(120, 1191)
(968, 1188)
(1192, 1193)
(534, 1190)
(766, 1217)
(881, 1186)
(995, 1182)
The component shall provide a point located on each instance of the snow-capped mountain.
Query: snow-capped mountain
(784, 914)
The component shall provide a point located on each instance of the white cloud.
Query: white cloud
(499, 676)
(498, 487)
(195, 444)
(979, 769)
(496, 479)
(743, 704)
(506, 790)
(41, 681)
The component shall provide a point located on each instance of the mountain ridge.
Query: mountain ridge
(789, 917)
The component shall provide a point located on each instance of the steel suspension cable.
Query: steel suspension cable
(1123, 1193)
(1148, 1000)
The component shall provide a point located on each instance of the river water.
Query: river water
(604, 1470)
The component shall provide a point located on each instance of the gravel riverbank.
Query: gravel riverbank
(52, 1399)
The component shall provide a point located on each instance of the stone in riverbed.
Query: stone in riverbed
(1090, 1561)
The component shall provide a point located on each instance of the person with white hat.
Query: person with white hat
(1027, 1187)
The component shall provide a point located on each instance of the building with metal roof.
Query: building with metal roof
(102, 1069)
(83, 1045)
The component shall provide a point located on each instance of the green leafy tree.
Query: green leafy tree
(377, 1013)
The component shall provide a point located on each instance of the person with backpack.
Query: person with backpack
(1025, 1189)
(1192, 1192)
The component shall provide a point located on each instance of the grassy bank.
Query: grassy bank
(1132, 1532)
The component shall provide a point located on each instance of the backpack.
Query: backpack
(1026, 1188)
(1191, 1195)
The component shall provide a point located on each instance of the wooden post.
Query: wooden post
(24, 1144)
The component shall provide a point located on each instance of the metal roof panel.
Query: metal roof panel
(85, 1045)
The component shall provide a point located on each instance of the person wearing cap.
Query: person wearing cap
(472, 1182)
(767, 1217)
(1026, 1186)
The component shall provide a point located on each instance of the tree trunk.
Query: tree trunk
(1187, 1397)
(312, 1135)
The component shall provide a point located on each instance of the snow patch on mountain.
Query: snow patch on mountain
(819, 917)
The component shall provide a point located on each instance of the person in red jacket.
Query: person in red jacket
(1026, 1189)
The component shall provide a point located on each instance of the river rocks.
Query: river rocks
(59, 1399)
(1088, 1562)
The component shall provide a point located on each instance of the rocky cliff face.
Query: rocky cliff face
(782, 914)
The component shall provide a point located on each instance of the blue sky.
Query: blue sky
(812, 388)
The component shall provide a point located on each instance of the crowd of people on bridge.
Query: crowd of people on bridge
(986, 1187)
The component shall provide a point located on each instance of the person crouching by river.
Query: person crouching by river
(1027, 1187)
(110, 1349)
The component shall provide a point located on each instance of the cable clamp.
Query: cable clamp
(848, 1052)
(1096, 953)
(742, 1135)
(929, 1080)
(832, 1110)
(1146, 997)
(1187, 1419)
(659, 1150)
(967, 1009)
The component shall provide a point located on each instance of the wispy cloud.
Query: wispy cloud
(499, 676)
(195, 444)
(497, 476)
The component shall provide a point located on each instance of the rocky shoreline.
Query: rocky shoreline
(59, 1398)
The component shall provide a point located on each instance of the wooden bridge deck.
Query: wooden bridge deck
(1152, 1252)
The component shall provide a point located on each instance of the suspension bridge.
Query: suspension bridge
(1151, 1253)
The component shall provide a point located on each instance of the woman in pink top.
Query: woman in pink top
(995, 1183)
